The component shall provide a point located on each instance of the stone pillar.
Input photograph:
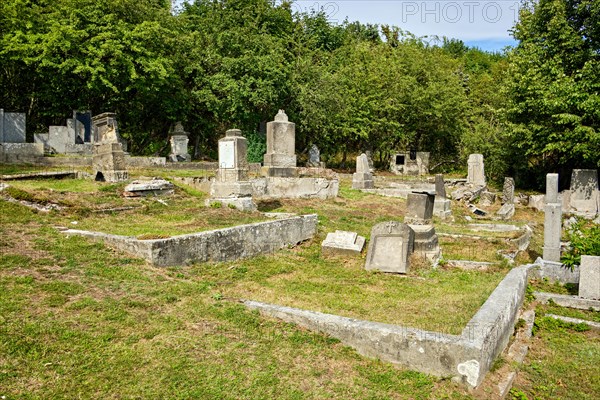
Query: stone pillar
(232, 185)
(476, 174)
(362, 178)
(179, 144)
(589, 277)
(419, 212)
(441, 205)
(108, 159)
(280, 159)
(552, 220)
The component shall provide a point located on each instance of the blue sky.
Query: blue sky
(484, 24)
(480, 23)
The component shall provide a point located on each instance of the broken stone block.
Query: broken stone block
(419, 208)
(486, 198)
(506, 211)
(343, 242)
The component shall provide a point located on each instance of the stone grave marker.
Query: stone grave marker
(314, 157)
(476, 173)
(508, 191)
(343, 242)
(12, 127)
(179, 144)
(280, 158)
(441, 205)
(584, 191)
(362, 178)
(390, 247)
(589, 277)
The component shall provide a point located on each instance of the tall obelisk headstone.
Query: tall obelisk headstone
(552, 220)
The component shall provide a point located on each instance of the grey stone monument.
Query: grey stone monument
(589, 277)
(369, 155)
(507, 211)
(314, 157)
(280, 159)
(552, 220)
(179, 144)
(343, 242)
(584, 191)
(12, 127)
(108, 159)
(508, 191)
(390, 247)
(362, 178)
(476, 173)
(441, 205)
(419, 211)
(231, 185)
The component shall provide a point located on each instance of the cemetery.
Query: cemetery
(409, 243)
(263, 200)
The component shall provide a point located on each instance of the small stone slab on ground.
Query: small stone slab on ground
(155, 187)
(343, 242)
(564, 300)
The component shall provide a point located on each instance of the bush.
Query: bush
(584, 237)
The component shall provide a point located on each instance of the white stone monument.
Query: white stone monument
(179, 144)
(343, 242)
(476, 173)
(280, 158)
(390, 247)
(362, 179)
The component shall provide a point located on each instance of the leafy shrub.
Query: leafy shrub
(584, 237)
(257, 147)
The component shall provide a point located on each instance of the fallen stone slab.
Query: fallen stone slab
(493, 227)
(343, 242)
(154, 187)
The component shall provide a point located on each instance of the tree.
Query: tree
(554, 87)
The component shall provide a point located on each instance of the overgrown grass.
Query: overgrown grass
(562, 363)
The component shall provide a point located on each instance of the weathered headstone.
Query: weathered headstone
(390, 247)
(441, 205)
(419, 211)
(280, 158)
(108, 159)
(231, 185)
(419, 208)
(589, 277)
(476, 173)
(552, 220)
(179, 144)
(584, 191)
(314, 157)
(12, 127)
(362, 178)
(508, 191)
(343, 242)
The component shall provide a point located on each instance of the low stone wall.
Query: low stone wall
(295, 188)
(217, 245)
(467, 357)
(145, 162)
(20, 153)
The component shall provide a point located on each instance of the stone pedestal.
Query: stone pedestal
(552, 220)
(426, 242)
(280, 158)
(231, 186)
(476, 173)
(419, 208)
(108, 162)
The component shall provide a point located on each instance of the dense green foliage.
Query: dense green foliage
(221, 64)
(584, 239)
